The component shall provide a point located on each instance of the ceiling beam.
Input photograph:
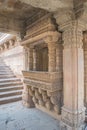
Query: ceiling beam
(49, 5)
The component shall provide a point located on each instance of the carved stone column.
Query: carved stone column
(34, 59)
(59, 57)
(52, 57)
(73, 111)
(30, 59)
(26, 66)
(85, 67)
(51, 41)
(28, 63)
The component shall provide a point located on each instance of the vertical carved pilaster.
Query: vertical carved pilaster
(51, 41)
(52, 56)
(73, 111)
(28, 64)
(26, 59)
(59, 57)
(85, 67)
(34, 59)
(30, 58)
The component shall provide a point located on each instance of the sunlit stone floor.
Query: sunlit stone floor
(16, 117)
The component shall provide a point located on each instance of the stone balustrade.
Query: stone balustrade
(42, 76)
(47, 80)
(45, 90)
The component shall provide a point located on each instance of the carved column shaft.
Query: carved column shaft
(34, 59)
(73, 111)
(26, 59)
(30, 59)
(51, 40)
(52, 57)
(85, 67)
(59, 57)
(28, 64)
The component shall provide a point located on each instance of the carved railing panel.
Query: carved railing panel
(45, 88)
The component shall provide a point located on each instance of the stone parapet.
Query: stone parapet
(45, 88)
(42, 76)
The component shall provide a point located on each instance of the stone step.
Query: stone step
(1, 61)
(7, 76)
(4, 73)
(10, 88)
(10, 99)
(10, 93)
(2, 64)
(9, 80)
(5, 67)
(5, 70)
(10, 84)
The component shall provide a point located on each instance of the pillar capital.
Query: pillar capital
(73, 24)
(53, 38)
(73, 35)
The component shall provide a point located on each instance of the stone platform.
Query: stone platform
(16, 117)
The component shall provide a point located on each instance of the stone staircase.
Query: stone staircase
(10, 86)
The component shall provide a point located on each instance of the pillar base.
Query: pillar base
(67, 127)
(72, 120)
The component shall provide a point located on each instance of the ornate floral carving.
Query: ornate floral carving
(74, 119)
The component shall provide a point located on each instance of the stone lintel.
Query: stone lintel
(39, 37)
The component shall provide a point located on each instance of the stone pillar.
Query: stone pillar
(85, 68)
(52, 57)
(59, 57)
(30, 58)
(26, 66)
(34, 60)
(73, 111)
(51, 41)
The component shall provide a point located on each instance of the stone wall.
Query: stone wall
(14, 58)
